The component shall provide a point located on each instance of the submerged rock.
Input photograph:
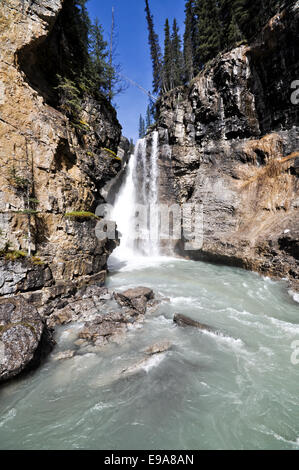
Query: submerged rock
(144, 365)
(135, 299)
(24, 337)
(64, 355)
(183, 320)
(158, 348)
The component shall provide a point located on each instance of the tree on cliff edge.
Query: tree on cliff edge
(177, 55)
(189, 39)
(99, 55)
(208, 40)
(142, 130)
(155, 50)
(167, 74)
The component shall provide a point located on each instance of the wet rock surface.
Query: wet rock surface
(112, 325)
(158, 348)
(183, 320)
(63, 355)
(24, 337)
(135, 299)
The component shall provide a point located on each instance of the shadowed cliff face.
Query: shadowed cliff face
(66, 169)
(230, 141)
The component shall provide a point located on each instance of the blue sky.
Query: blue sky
(133, 50)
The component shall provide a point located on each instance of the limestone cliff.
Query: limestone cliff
(229, 140)
(48, 168)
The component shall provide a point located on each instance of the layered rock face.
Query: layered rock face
(66, 169)
(229, 141)
(49, 169)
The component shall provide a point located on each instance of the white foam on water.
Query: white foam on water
(235, 343)
(294, 295)
(8, 417)
(291, 328)
(184, 300)
(161, 319)
(270, 432)
(100, 406)
(267, 351)
(154, 361)
(137, 262)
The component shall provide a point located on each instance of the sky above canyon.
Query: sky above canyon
(133, 52)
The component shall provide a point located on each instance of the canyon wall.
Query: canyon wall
(229, 141)
(51, 181)
(66, 169)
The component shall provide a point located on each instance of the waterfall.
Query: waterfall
(137, 202)
(153, 246)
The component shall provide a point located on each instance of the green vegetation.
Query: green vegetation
(80, 215)
(86, 67)
(132, 147)
(156, 54)
(28, 212)
(146, 124)
(142, 128)
(16, 181)
(211, 26)
(13, 255)
(112, 154)
(37, 261)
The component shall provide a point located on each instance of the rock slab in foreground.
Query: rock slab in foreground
(113, 326)
(24, 337)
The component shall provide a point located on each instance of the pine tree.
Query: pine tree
(177, 56)
(234, 33)
(214, 25)
(240, 14)
(74, 27)
(148, 117)
(189, 39)
(168, 60)
(131, 147)
(142, 129)
(208, 40)
(155, 50)
(99, 56)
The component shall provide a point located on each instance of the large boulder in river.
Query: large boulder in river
(24, 337)
(135, 299)
(183, 320)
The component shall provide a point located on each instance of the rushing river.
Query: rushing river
(237, 389)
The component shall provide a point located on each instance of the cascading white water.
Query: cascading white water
(153, 245)
(139, 188)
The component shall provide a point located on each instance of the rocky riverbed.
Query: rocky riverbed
(104, 316)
